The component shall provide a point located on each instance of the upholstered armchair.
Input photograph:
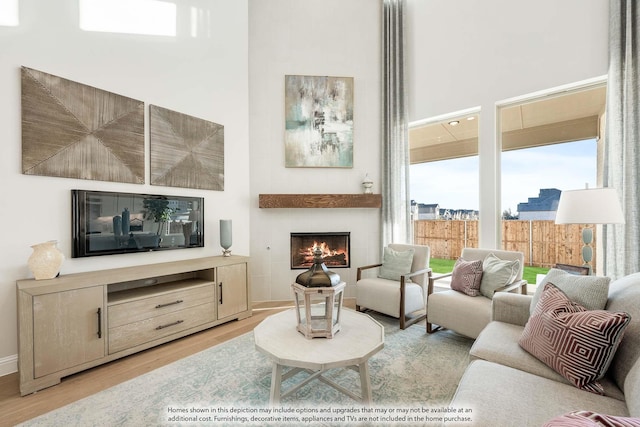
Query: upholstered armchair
(477, 275)
(400, 287)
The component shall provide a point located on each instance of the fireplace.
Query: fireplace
(335, 249)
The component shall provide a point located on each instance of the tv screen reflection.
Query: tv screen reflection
(107, 223)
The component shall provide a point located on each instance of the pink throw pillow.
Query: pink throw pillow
(591, 419)
(577, 343)
(467, 277)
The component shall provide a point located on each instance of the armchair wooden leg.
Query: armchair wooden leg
(431, 329)
(406, 322)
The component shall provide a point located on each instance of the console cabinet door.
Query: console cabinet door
(67, 329)
(232, 289)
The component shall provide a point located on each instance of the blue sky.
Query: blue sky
(454, 183)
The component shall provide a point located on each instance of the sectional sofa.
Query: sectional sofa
(505, 385)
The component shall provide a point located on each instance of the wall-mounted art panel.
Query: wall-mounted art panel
(186, 151)
(72, 130)
(318, 121)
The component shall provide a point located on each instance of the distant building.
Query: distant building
(464, 214)
(542, 207)
(424, 211)
(459, 214)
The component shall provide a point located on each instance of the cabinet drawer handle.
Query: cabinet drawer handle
(169, 303)
(177, 322)
(99, 313)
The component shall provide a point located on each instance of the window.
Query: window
(444, 161)
(444, 182)
(9, 13)
(150, 17)
(533, 178)
(550, 143)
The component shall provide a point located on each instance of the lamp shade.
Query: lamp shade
(589, 206)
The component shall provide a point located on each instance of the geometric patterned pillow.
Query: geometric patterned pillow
(591, 419)
(577, 343)
(467, 276)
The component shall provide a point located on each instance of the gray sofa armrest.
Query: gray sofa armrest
(511, 308)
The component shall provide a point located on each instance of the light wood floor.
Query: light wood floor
(15, 409)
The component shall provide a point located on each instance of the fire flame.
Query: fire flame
(326, 250)
(324, 247)
(304, 253)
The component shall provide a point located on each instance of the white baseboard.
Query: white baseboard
(8, 365)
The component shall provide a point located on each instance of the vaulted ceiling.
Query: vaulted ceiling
(565, 117)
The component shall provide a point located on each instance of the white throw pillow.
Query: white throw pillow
(396, 263)
(497, 273)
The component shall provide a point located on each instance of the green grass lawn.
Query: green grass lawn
(441, 266)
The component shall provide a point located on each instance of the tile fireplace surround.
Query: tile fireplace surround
(335, 249)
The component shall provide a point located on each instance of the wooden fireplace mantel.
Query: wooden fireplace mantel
(320, 201)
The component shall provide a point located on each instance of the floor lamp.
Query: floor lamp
(589, 206)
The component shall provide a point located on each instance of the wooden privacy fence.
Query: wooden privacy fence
(544, 243)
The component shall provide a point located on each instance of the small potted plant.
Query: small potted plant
(158, 211)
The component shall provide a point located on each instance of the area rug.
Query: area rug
(228, 384)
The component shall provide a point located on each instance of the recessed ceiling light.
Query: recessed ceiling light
(454, 122)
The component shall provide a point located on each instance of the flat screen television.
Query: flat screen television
(106, 223)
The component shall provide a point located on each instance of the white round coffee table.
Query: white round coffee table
(359, 338)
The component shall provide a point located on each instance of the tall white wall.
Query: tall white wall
(461, 54)
(315, 38)
(476, 53)
(205, 76)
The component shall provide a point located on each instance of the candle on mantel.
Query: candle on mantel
(225, 236)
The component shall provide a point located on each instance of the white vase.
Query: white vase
(367, 184)
(45, 261)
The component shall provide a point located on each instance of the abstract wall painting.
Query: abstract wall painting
(318, 121)
(72, 130)
(186, 151)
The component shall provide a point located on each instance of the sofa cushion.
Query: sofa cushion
(395, 263)
(591, 419)
(460, 312)
(497, 273)
(382, 295)
(577, 343)
(503, 396)
(591, 292)
(498, 343)
(466, 277)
